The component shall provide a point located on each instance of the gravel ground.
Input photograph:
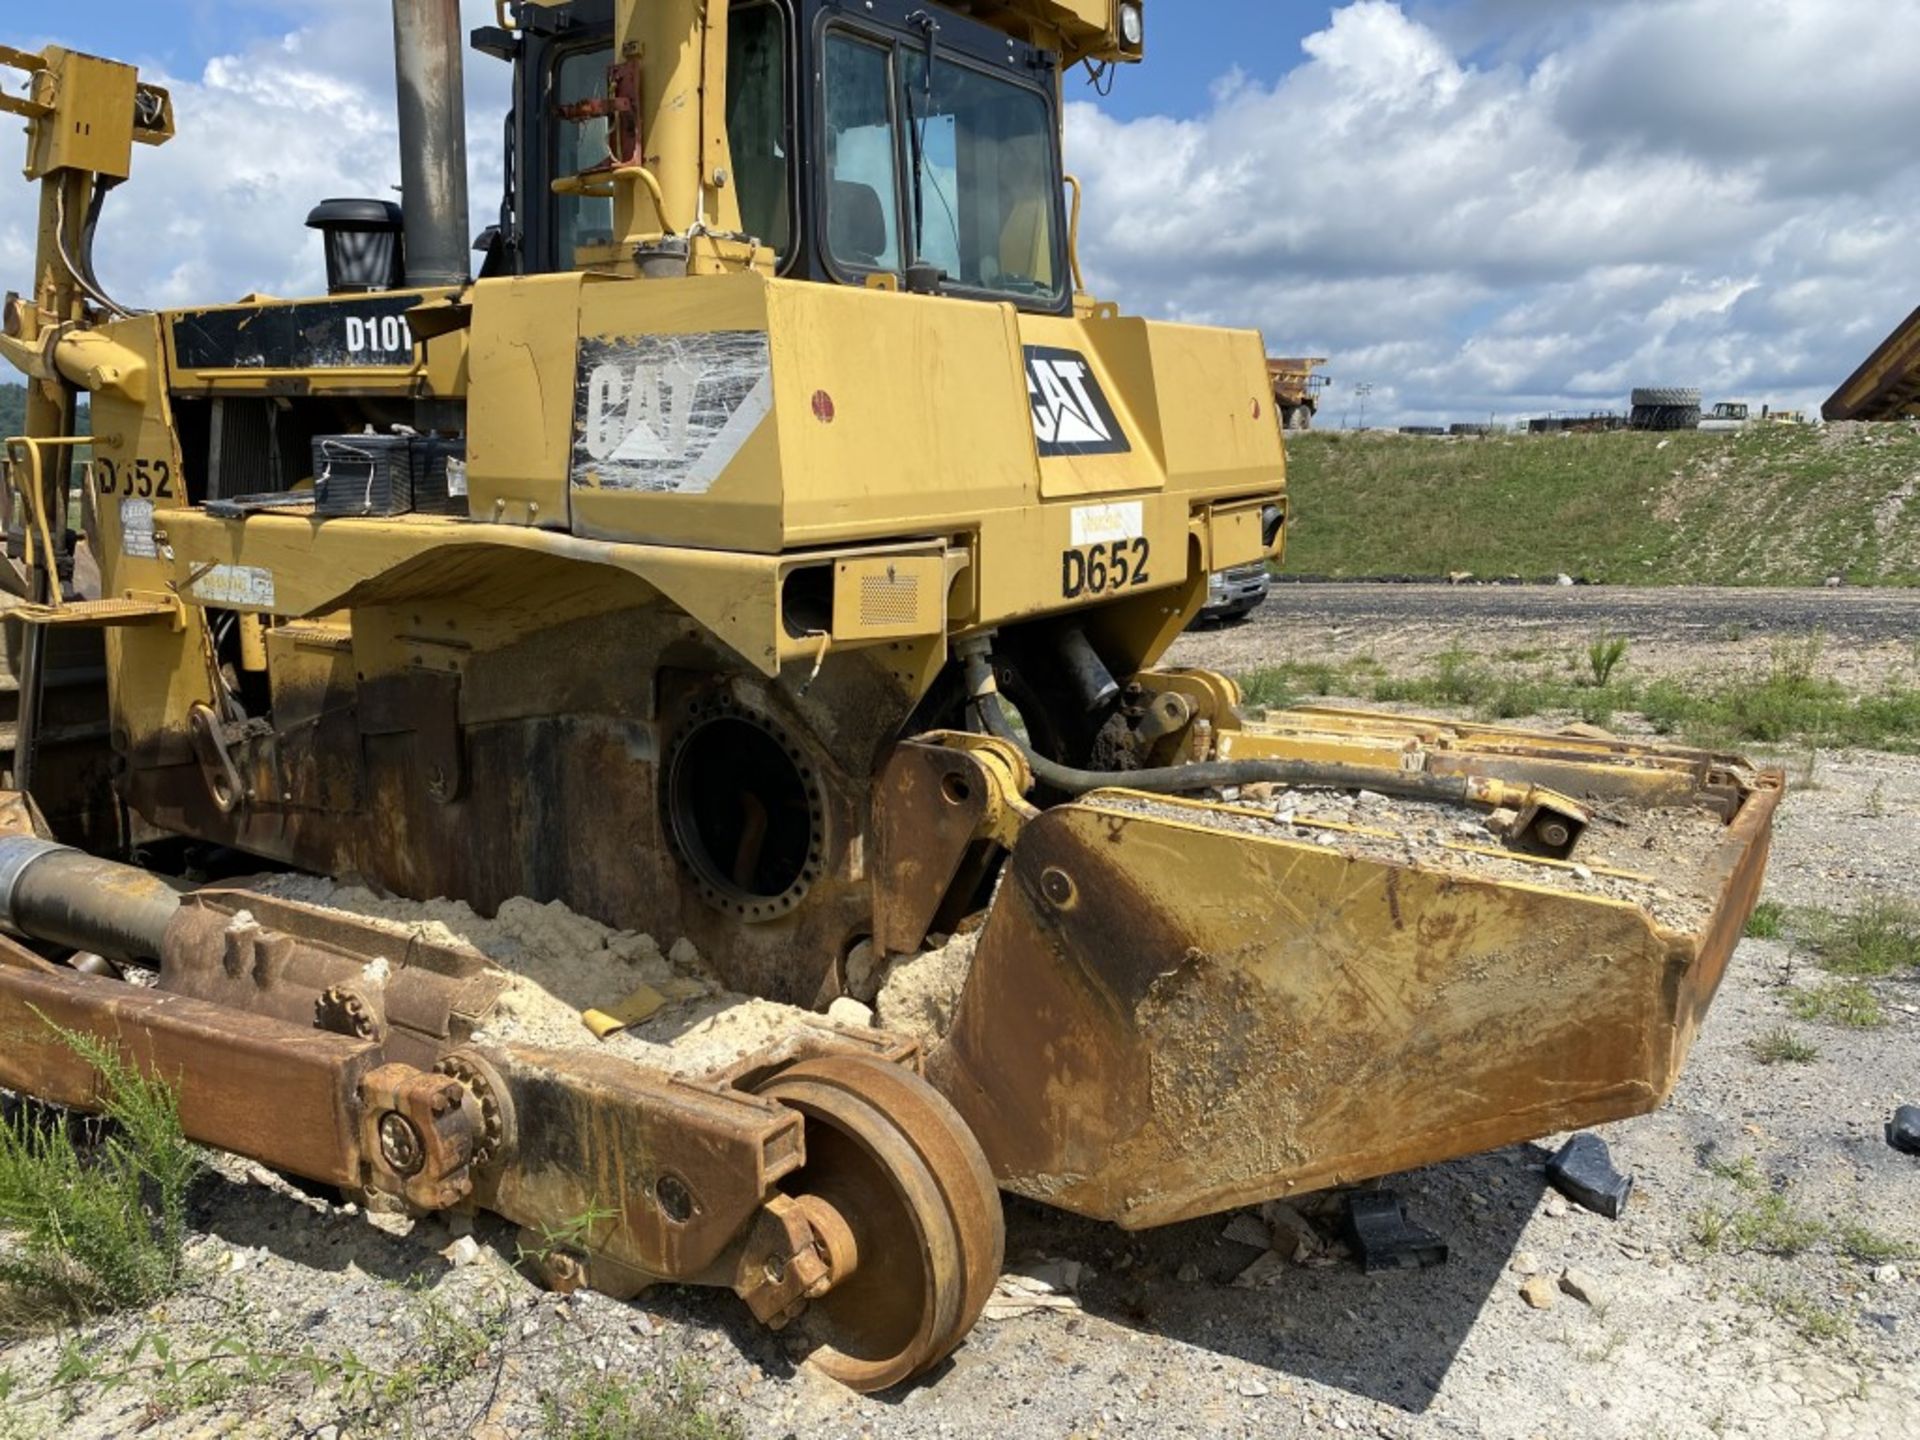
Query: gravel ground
(1866, 636)
(1682, 1340)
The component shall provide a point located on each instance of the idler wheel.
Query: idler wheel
(898, 1164)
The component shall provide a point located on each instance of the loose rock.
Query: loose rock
(851, 1013)
(1581, 1286)
(1538, 1292)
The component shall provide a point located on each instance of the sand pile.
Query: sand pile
(562, 963)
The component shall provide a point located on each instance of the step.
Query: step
(98, 614)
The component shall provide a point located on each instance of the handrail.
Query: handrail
(589, 184)
(1073, 234)
(33, 495)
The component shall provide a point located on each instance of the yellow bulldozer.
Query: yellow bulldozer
(773, 546)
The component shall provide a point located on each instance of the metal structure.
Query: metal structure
(1297, 388)
(1887, 384)
(776, 547)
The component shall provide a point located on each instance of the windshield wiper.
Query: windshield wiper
(917, 126)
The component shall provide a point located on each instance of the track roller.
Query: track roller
(897, 1164)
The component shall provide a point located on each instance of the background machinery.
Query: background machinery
(1887, 384)
(773, 546)
(1297, 388)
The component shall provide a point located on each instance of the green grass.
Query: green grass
(1781, 1046)
(1772, 506)
(1768, 921)
(1804, 1313)
(608, 1408)
(1868, 1246)
(95, 1212)
(1847, 1003)
(1881, 938)
(1790, 703)
(1769, 1223)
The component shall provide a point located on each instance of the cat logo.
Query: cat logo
(1071, 415)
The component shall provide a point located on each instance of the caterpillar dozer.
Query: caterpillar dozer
(774, 544)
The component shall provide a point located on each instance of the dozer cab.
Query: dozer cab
(774, 546)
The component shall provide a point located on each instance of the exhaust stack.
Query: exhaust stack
(430, 70)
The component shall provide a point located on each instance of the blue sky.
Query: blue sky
(1266, 36)
(1477, 206)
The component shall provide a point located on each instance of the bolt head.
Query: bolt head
(400, 1144)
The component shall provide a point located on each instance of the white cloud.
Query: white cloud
(1477, 205)
(1495, 208)
(265, 134)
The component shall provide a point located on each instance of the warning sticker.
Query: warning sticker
(243, 585)
(136, 530)
(666, 414)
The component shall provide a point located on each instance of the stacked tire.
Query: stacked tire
(1666, 408)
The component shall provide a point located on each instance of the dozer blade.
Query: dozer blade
(1178, 1007)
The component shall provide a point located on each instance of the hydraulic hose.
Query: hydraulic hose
(984, 695)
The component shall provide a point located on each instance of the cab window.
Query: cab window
(863, 185)
(758, 132)
(757, 129)
(579, 145)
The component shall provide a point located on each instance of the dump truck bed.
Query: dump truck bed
(1887, 385)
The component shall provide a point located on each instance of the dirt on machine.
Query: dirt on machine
(534, 697)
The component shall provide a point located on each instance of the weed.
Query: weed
(1781, 1046)
(1877, 801)
(1763, 1220)
(1785, 707)
(1879, 939)
(1604, 655)
(1768, 921)
(97, 1209)
(572, 1236)
(1710, 1228)
(1847, 1003)
(1803, 1313)
(1868, 1246)
(671, 1407)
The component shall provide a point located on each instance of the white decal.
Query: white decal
(136, 530)
(1071, 415)
(1063, 412)
(456, 477)
(1104, 524)
(383, 335)
(666, 414)
(243, 585)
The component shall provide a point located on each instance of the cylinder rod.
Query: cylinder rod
(67, 897)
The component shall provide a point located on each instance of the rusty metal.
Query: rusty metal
(423, 1128)
(286, 1096)
(932, 816)
(483, 1082)
(308, 966)
(1168, 1017)
(895, 1162)
(796, 1252)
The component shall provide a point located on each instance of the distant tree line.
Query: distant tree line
(13, 409)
